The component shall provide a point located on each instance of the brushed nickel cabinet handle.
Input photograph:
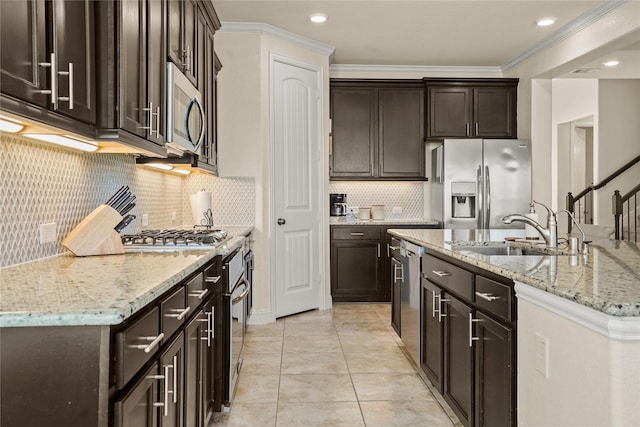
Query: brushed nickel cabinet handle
(486, 296)
(441, 273)
(471, 337)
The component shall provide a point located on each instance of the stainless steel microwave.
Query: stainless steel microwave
(185, 113)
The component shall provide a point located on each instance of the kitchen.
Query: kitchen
(68, 187)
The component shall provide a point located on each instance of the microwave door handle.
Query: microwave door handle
(195, 101)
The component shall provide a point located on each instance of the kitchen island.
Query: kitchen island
(578, 325)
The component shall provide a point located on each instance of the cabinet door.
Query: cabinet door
(211, 370)
(172, 394)
(494, 364)
(356, 271)
(450, 112)
(432, 333)
(174, 32)
(73, 43)
(156, 71)
(494, 112)
(133, 67)
(195, 339)
(137, 408)
(190, 44)
(458, 362)
(22, 48)
(354, 132)
(401, 133)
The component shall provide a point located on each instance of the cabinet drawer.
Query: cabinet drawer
(196, 292)
(494, 297)
(174, 312)
(448, 276)
(135, 345)
(355, 233)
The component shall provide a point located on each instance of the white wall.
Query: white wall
(535, 93)
(244, 135)
(618, 141)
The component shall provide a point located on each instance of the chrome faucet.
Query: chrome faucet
(549, 234)
(585, 242)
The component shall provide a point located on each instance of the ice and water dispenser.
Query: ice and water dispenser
(463, 199)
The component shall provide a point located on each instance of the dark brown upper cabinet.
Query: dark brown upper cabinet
(49, 64)
(132, 73)
(183, 37)
(471, 108)
(377, 129)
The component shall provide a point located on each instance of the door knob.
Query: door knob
(281, 221)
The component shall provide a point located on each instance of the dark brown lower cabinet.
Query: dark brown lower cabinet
(494, 365)
(138, 407)
(458, 358)
(357, 271)
(172, 393)
(396, 283)
(432, 332)
(468, 341)
(195, 339)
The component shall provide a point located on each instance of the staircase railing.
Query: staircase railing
(620, 205)
(585, 207)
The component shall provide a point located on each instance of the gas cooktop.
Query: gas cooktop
(171, 239)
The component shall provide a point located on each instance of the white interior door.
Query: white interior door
(297, 189)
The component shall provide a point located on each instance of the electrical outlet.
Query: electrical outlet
(174, 215)
(145, 220)
(48, 233)
(353, 210)
(396, 210)
(542, 355)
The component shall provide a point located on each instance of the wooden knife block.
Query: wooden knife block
(95, 235)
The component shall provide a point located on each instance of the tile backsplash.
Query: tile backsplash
(41, 184)
(408, 195)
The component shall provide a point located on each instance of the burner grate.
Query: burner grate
(187, 237)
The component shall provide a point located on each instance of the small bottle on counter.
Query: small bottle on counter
(531, 233)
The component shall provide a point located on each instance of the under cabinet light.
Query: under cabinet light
(611, 63)
(162, 166)
(63, 140)
(10, 126)
(182, 171)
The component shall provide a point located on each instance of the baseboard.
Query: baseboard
(261, 317)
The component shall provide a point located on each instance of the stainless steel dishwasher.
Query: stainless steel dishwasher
(410, 298)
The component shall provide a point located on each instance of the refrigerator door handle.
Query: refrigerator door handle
(487, 190)
(480, 208)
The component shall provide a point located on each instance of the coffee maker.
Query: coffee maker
(337, 204)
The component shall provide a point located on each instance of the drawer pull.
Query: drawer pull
(154, 342)
(356, 234)
(200, 294)
(471, 337)
(433, 304)
(181, 313)
(441, 273)
(213, 279)
(487, 297)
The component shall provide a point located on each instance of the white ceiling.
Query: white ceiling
(462, 33)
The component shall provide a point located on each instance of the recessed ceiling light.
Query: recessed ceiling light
(545, 22)
(611, 63)
(318, 18)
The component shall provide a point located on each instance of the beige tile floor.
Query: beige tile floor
(339, 367)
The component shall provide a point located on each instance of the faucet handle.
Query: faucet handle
(549, 211)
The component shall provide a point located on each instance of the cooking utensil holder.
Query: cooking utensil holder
(95, 235)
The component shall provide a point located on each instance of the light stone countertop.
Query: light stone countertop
(341, 220)
(97, 290)
(608, 280)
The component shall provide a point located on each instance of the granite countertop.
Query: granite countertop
(608, 280)
(342, 220)
(97, 290)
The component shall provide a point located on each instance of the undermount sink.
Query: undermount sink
(500, 250)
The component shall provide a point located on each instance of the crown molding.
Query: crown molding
(417, 69)
(262, 28)
(573, 27)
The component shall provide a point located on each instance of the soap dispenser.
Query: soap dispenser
(531, 233)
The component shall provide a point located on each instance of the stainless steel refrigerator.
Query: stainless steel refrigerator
(476, 182)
